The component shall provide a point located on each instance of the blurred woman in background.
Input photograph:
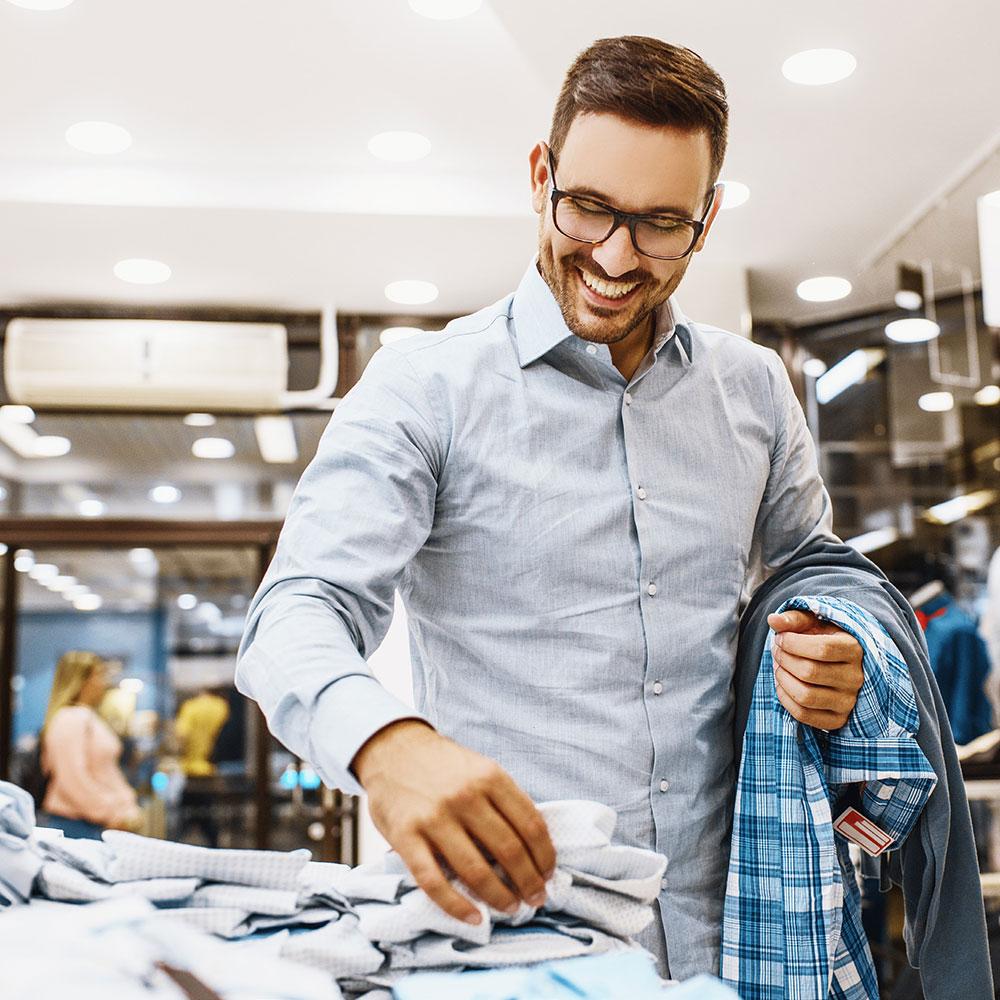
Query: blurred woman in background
(86, 791)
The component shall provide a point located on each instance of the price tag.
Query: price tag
(859, 830)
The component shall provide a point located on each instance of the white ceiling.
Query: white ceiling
(250, 175)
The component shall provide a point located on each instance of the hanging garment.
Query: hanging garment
(961, 665)
(792, 926)
(936, 867)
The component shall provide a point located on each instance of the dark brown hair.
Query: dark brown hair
(648, 81)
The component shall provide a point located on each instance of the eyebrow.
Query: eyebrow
(659, 210)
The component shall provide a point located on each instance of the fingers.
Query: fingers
(811, 697)
(528, 822)
(499, 839)
(821, 674)
(793, 621)
(471, 867)
(426, 870)
(819, 718)
(834, 647)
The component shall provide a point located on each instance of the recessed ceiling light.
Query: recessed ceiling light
(51, 446)
(411, 292)
(61, 584)
(734, 194)
(936, 402)
(91, 508)
(87, 602)
(392, 334)
(24, 559)
(142, 271)
(907, 298)
(100, 138)
(989, 395)
(819, 66)
(17, 414)
(825, 289)
(187, 601)
(41, 4)
(213, 448)
(164, 494)
(276, 438)
(399, 147)
(199, 420)
(141, 557)
(813, 367)
(77, 590)
(445, 10)
(914, 330)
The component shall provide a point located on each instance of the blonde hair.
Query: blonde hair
(72, 672)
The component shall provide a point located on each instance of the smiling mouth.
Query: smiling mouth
(607, 292)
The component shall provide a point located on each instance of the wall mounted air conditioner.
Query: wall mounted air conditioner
(157, 365)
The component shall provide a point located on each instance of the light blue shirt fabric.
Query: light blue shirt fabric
(571, 549)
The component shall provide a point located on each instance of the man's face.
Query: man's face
(634, 168)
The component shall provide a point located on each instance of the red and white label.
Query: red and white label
(861, 831)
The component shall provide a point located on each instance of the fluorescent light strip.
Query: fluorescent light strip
(872, 540)
(958, 507)
(847, 372)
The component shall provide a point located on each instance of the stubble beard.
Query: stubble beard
(563, 280)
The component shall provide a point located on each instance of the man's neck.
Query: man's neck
(627, 354)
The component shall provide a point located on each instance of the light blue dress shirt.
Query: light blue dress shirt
(571, 548)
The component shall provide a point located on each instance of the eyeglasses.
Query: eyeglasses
(588, 220)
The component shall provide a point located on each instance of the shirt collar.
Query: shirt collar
(539, 325)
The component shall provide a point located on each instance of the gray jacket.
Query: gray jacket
(936, 867)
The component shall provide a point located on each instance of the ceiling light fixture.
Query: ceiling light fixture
(411, 292)
(164, 494)
(958, 507)
(393, 334)
(61, 584)
(43, 572)
(142, 271)
(828, 288)
(276, 439)
(99, 138)
(445, 10)
(141, 557)
(847, 372)
(17, 413)
(91, 508)
(872, 540)
(912, 330)
(989, 395)
(87, 602)
(936, 402)
(51, 446)
(213, 448)
(817, 67)
(399, 147)
(24, 559)
(813, 367)
(734, 194)
(199, 420)
(186, 602)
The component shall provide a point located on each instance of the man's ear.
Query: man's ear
(718, 192)
(538, 160)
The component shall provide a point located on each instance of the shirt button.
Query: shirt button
(591, 349)
(664, 784)
(640, 493)
(657, 687)
(651, 590)
(628, 399)
(663, 883)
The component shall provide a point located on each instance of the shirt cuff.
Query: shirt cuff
(347, 714)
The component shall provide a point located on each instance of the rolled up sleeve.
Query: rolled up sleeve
(362, 510)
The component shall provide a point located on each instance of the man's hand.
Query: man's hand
(436, 801)
(817, 669)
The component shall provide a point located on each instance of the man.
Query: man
(569, 489)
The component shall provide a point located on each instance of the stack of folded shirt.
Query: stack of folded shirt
(366, 927)
(19, 861)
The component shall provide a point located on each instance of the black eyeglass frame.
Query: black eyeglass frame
(629, 219)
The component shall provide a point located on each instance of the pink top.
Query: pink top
(80, 755)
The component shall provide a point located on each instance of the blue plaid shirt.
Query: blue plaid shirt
(792, 926)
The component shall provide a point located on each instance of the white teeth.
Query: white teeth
(609, 289)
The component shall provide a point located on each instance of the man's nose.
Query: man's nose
(616, 254)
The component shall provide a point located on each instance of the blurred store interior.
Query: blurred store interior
(204, 241)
